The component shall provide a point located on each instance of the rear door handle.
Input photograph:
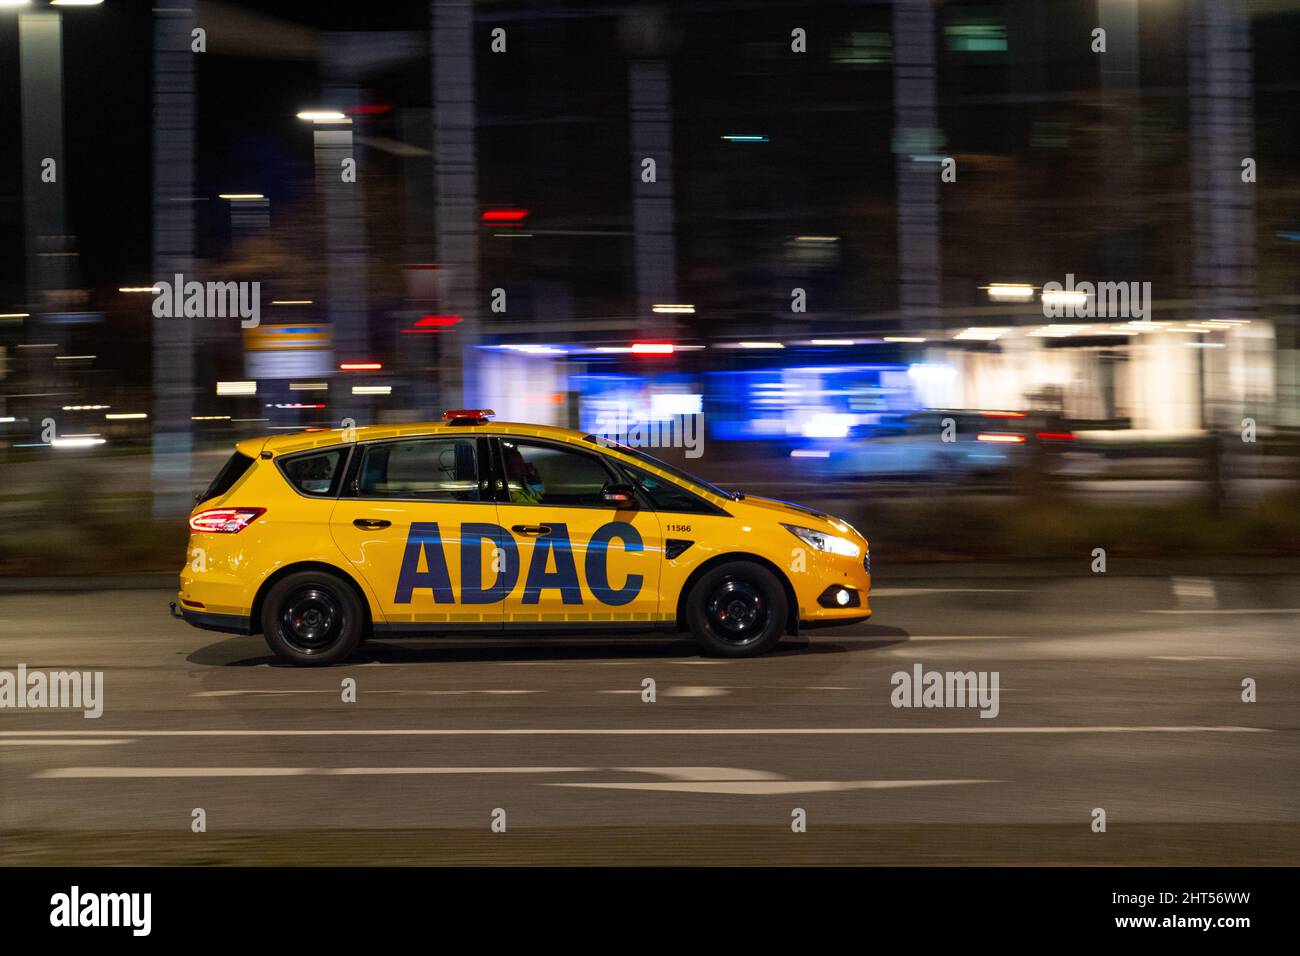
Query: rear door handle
(533, 530)
(372, 524)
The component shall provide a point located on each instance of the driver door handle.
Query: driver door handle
(533, 530)
(371, 524)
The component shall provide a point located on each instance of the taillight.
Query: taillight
(1000, 437)
(225, 520)
(1056, 436)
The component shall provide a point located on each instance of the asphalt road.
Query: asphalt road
(1118, 693)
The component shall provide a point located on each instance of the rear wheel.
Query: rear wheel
(737, 609)
(312, 619)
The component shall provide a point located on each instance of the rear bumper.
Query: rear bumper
(225, 623)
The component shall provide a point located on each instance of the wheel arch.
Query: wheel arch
(255, 615)
(792, 601)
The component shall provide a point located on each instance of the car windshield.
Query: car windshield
(683, 476)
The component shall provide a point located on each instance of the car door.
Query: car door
(416, 519)
(579, 559)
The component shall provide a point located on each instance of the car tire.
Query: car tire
(737, 609)
(312, 619)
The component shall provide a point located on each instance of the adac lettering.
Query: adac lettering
(424, 546)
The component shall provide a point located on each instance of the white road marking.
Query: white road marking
(630, 662)
(116, 773)
(54, 742)
(663, 731)
(703, 773)
(679, 774)
(914, 638)
(113, 773)
(1227, 610)
(423, 693)
(765, 788)
(1195, 591)
(688, 691)
(913, 592)
(705, 661)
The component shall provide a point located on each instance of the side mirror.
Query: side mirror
(621, 496)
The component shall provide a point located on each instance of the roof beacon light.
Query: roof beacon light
(469, 416)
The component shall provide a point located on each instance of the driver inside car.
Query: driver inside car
(522, 478)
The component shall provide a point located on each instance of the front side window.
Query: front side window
(664, 495)
(425, 469)
(314, 474)
(683, 476)
(546, 475)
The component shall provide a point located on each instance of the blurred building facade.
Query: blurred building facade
(834, 187)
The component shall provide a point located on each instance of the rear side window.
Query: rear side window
(230, 473)
(314, 474)
(426, 469)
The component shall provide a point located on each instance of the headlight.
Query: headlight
(824, 542)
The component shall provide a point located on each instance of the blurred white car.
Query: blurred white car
(947, 444)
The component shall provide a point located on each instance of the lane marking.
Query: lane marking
(764, 788)
(1227, 610)
(696, 691)
(163, 773)
(911, 592)
(114, 773)
(334, 691)
(52, 742)
(630, 662)
(915, 638)
(683, 775)
(1195, 591)
(684, 691)
(702, 773)
(662, 731)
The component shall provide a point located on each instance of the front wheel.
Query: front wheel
(737, 609)
(312, 619)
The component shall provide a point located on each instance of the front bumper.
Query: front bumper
(827, 578)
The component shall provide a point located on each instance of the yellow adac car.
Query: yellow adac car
(321, 539)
